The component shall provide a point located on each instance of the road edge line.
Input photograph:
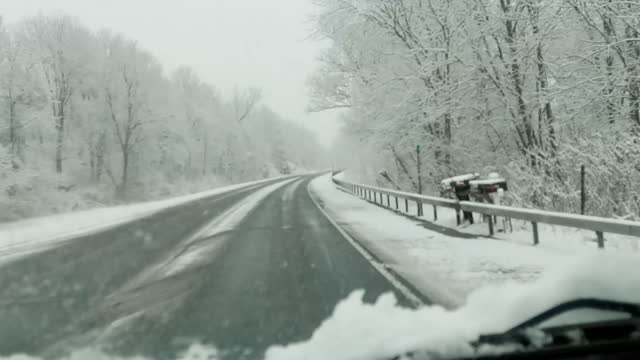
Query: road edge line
(394, 279)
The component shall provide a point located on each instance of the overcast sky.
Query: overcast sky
(261, 43)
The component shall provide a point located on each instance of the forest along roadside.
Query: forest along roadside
(116, 126)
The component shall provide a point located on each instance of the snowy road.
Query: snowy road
(242, 271)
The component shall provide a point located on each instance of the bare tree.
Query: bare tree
(244, 102)
(61, 46)
(125, 92)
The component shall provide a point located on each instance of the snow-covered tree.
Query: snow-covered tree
(114, 123)
(519, 87)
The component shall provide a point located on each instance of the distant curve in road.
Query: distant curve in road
(271, 279)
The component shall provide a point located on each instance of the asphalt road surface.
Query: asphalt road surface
(196, 273)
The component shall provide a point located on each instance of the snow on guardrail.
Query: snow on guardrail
(598, 224)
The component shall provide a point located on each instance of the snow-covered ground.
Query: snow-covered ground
(194, 352)
(25, 237)
(448, 267)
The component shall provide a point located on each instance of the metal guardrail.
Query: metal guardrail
(598, 224)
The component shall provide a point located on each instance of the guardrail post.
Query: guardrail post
(396, 203)
(406, 205)
(388, 201)
(419, 208)
(600, 235)
(458, 216)
(435, 213)
(536, 238)
(375, 197)
(491, 225)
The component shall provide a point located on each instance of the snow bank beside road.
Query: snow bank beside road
(25, 237)
(445, 267)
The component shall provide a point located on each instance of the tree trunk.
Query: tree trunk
(102, 141)
(523, 125)
(59, 114)
(633, 73)
(205, 153)
(611, 103)
(13, 141)
(543, 82)
(404, 168)
(125, 171)
(92, 163)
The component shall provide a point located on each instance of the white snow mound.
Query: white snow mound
(357, 330)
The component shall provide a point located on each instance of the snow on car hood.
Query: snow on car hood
(357, 330)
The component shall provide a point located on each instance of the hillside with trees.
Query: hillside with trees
(91, 118)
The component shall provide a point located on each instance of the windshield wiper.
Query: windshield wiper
(611, 339)
(518, 333)
(594, 304)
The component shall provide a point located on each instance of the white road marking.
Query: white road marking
(381, 268)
